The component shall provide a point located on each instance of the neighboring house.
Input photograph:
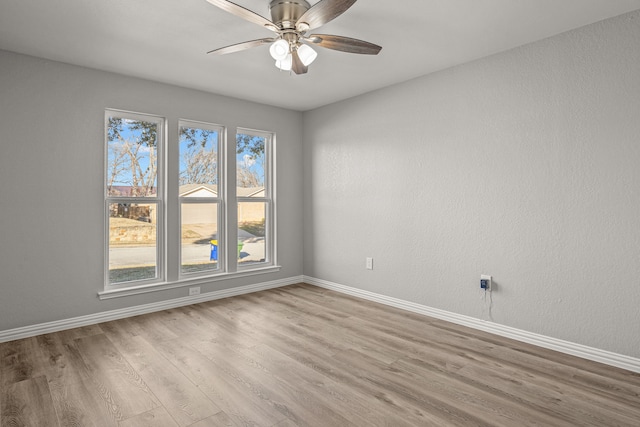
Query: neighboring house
(198, 190)
(192, 213)
(250, 192)
(145, 213)
(201, 213)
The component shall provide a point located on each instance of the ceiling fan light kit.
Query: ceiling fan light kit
(291, 19)
(279, 49)
(285, 64)
(307, 54)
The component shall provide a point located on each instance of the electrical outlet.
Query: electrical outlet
(194, 291)
(369, 264)
(485, 282)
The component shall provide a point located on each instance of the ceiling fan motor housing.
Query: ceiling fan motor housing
(285, 13)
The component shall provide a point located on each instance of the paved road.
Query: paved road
(128, 256)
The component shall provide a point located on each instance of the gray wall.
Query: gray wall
(524, 166)
(51, 182)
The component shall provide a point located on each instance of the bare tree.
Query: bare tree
(200, 166)
(247, 178)
(252, 148)
(116, 165)
(134, 144)
(199, 161)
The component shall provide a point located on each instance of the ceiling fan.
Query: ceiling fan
(291, 20)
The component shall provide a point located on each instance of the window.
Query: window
(200, 191)
(254, 192)
(139, 231)
(134, 197)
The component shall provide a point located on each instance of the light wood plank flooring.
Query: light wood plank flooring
(302, 356)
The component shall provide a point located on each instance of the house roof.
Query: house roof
(248, 192)
(187, 189)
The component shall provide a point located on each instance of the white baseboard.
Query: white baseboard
(579, 350)
(92, 319)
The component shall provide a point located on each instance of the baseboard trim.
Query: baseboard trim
(579, 350)
(567, 347)
(92, 319)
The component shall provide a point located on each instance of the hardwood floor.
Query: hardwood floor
(302, 356)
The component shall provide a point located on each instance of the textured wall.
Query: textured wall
(524, 165)
(51, 183)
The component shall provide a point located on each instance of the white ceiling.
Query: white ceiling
(166, 41)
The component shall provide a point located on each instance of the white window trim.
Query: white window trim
(160, 199)
(229, 267)
(157, 287)
(269, 199)
(220, 200)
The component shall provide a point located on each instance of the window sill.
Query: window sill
(143, 289)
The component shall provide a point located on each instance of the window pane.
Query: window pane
(198, 162)
(132, 241)
(251, 232)
(132, 157)
(199, 231)
(250, 165)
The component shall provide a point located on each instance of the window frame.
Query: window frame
(220, 200)
(269, 199)
(168, 271)
(159, 199)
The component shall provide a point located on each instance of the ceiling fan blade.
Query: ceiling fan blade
(241, 46)
(344, 44)
(244, 13)
(322, 12)
(297, 66)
